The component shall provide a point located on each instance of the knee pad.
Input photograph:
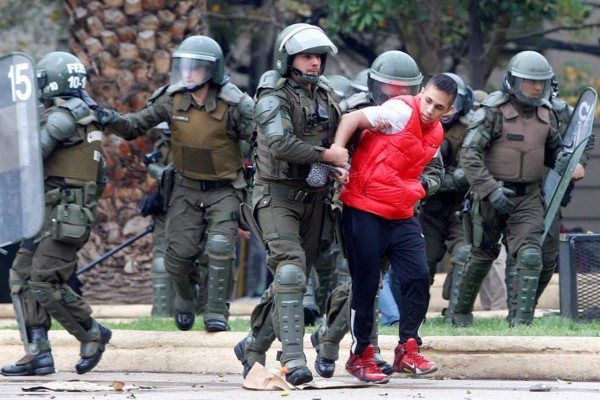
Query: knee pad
(289, 278)
(219, 245)
(530, 257)
(176, 265)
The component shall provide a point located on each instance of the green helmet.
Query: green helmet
(340, 84)
(529, 66)
(393, 73)
(463, 102)
(358, 83)
(198, 60)
(58, 73)
(301, 38)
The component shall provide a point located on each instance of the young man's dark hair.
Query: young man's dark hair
(444, 83)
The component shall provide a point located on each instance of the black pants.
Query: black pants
(369, 239)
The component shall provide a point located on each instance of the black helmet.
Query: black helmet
(463, 102)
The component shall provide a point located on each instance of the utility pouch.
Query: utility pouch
(72, 224)
(165, 188)
(477, 222)
(90, 194)
(467, 222)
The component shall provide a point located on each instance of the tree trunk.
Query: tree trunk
(126, 47)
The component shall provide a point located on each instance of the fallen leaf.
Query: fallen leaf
(118, 385)
(563, 382)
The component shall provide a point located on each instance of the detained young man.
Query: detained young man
(400, 137)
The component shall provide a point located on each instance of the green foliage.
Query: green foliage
(350, 16)
(573, 77)
(33, 26)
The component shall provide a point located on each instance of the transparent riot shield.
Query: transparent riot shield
(21, 179)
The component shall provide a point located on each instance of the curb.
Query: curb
(475, 357)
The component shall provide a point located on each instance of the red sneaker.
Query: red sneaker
(407, 359)
(364, 368)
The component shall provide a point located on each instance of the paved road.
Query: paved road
(165, 386)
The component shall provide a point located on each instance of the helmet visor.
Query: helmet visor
(459, 103)
(192, 72)
(381, 92)
(307, 40)
(532, 91)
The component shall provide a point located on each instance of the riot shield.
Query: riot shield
(576, 137)
(21, 179)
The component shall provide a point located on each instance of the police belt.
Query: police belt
(521, 189)
(199, 184)
(296, 195)
(66, 195)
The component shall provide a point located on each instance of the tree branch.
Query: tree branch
(556, 29)
(559, 45)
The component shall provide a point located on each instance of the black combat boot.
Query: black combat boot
(324, 366)
(184, 320)
(41, 363)
(86, 364)
(216, 325)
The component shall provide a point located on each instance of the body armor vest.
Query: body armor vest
(455, 136)
(76, 159)
(313, 120)
(518, 154)
(200, 147)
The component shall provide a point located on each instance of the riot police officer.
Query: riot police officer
(297, 115)
(442, 230)
(551, 243)
(503, 156)
(208, 116)
(74, 180)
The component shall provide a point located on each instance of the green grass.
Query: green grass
(546, 326)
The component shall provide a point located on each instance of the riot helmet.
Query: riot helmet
(463, 102)
(478, 97)
(59, 73)
(554, 85)
(197, 61)
(393, 73)
(301, 39)
(358, 83)
(528, 77)
(340, 85)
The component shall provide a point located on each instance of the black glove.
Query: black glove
(562, 162)
(105, 116)
(151, 204)
(500, 200)
(454, 181)
(424, 182)
(153, 157)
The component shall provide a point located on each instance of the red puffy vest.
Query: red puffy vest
(384, 177)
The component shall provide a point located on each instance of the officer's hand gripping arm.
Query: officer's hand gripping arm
(500, 200)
